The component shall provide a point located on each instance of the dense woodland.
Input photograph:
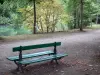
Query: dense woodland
(44, 16)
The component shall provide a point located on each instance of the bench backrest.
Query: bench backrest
(30, 47)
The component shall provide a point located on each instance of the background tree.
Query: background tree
(48, 15)
(81, 15)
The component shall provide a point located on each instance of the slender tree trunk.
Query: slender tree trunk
(47, 29)
(78, 18)
(34, 26)
(97, 19)
(91, 20)
(81, 15)
(75, 18)
(41, 25)
(97, 15)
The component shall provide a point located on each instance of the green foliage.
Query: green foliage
(47, 19)
(4, 13)
(70, 25)
(4, 20)
(90, 8)
(51, 15)
(5, 9)
(1, 1)
(94, 26)
(6, 31)
(16, 20)
(23, 31)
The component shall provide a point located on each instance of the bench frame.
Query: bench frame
(21, 66)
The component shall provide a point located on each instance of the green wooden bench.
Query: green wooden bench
(22, 60)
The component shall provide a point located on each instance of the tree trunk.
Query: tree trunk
(75, 18)
(97, 15)
(34, 26)
(41, 25)
(97, 19)
(81, 15)
(78, 18)
(47, 29)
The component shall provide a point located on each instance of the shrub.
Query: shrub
(23, 31)
(7, 31)
(70, 25)
(4, 20)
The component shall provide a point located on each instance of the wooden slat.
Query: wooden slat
(57, 56)
(30, 55)
(35, 46)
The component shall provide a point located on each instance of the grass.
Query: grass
(34, 36)
(94, 26)
(20, 37)
(44, 35)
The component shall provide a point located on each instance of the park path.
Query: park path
(83, 49)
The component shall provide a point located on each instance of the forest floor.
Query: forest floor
(83, 49)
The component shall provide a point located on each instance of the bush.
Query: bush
(4, 20)
(23, 31)
(8, 31)
(70, 25)
(4, 31)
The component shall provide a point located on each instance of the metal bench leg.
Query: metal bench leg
(17, 65)
(51, 61)
(56, 61)
(17, 68)
(21, 68)
(24, 65)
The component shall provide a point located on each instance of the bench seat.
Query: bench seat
(35, 60)
(14, 58)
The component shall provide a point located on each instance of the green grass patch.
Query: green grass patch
(94, 26)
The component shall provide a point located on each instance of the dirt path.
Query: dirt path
(83, 49)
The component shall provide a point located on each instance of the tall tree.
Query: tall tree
(34, 4)
(81, 15)
(34, 8)
(97, 13)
